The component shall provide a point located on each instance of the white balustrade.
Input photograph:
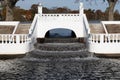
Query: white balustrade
(104, 43)
(13, 39)
(104, 38)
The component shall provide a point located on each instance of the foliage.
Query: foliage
(111, 3)
(27, 15)
(91, 14)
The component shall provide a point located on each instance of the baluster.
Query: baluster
(105, 38)
(9, 39)
(21, 38)
(2, 39)
(114, 38)
(5, 39)
(118, 38)
(13, 39)
(111, 38)
(93, 38)
(101, 38)
(26, 39)
(96, 38)
(108, 38)
(17, 39)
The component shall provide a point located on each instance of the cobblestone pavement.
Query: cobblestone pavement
(60, 69)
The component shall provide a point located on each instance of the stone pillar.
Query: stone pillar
(81, 8)
(40, 9)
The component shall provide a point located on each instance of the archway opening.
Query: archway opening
(60, 33)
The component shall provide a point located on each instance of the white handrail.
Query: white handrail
(33, 25)
(106, 31)
(86, 23)
(16, 26)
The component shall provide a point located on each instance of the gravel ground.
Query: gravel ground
(60, 69)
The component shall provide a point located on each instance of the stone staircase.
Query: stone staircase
(23, 29)
(65, 48)
(96, 28)
(6, 29)
(113, 28)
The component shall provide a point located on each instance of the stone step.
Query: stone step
(113, 28)
(60, 46)
(23, 29)
(96, 28)
(61, 40)
(58, 54)
(6, 29)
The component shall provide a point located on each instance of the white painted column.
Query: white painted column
(40, 9)
(81, 8)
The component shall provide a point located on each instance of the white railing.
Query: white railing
(104, 43)
(104, 38)
(14, 44)
(109, 22)
(10, 23)
(57, 15)
(16, 26)
(33, 25)
(104, 27)
(14, 38)
(86, 24)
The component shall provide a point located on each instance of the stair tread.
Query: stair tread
(113, 28)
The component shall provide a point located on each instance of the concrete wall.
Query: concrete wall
(66, 21)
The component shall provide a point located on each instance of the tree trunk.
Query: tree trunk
(111, 7)
(9, 14)
(9, 5)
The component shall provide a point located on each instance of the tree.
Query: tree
(9, 6)
(110, 8)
